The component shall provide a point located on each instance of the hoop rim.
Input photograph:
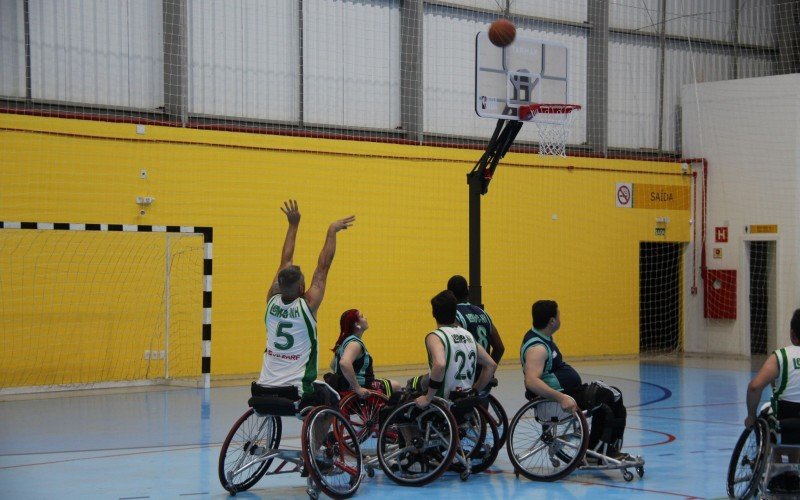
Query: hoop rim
(527, 112)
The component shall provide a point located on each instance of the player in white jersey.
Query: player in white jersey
(290, 359)
(782, 370)
(453, 354)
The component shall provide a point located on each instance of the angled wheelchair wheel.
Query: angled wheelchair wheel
(415, 446)
(747, 461)
(545, 443)
(363, 414)
(480, 441)
(498, 414)
(240, 466)
(331, 453)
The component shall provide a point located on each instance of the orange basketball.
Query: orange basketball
(502, 32)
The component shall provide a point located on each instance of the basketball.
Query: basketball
(502, 32)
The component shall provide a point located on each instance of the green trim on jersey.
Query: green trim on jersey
(270, 301)
(310, 374)
(446, 343)
(783, 365)
(547, 372)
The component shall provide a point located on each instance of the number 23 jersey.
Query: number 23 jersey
(291, 354)
(461, 358)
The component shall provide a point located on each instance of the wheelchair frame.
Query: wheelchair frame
(756, 460)
(416, 445)
(252, 447)
(545, 443)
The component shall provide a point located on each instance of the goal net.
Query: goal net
(87, 309)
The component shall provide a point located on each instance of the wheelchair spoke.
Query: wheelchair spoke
(531, 451)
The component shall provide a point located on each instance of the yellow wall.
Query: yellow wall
(550, 226)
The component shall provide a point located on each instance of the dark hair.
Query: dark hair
(444, 307)
(347, 321)
(288, 278)
(542, 311)
(458, 285)
(795, 323)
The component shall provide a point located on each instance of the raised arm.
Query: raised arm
(287, 254)
(316, 291)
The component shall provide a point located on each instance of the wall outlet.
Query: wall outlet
(161, 354)
(146, 354)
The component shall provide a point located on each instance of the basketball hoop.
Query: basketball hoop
(553, 122)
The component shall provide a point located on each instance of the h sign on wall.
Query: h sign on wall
(720, 234)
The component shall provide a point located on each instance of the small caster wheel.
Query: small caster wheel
(627, 475)
(640, 470)
(464, 475)
(370, 472)
(312, 493)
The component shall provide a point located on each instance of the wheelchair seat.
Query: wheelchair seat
(285, 401)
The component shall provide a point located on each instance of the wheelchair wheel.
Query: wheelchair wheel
(331, 453)
(747, 461)
(250, 436)
(363, 414)
(480, 441)
(546, 443)
(415, 446)
(498, 414)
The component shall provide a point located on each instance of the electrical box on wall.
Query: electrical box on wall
(720, 294)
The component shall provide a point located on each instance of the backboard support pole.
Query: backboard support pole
(478, 181)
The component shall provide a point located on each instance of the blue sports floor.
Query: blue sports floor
(684, 417)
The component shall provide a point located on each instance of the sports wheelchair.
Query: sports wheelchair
(417, 445)
(546, 443)
(765, 462)
(329, 455)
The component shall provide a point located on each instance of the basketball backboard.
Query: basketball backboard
(527, 71)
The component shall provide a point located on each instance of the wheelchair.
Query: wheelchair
(765, 462)
(417, 445)
(329, 455)
(364, 416)
(546, 443)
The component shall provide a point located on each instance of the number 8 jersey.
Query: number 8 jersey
(461, 358)
(291, 354)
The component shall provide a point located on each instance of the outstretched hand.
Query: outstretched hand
(292, 213)
(340, 224)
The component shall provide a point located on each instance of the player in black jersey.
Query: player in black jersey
(475, 319)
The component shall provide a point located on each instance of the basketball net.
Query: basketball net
(553, 122)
